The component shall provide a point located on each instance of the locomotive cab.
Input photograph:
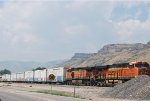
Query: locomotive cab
(143, 68)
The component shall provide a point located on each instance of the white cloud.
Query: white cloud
(16, 27)
(131, 28)
(127, 30)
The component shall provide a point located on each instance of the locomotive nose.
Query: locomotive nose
(143, 71)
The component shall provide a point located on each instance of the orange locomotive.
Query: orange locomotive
(106, 75)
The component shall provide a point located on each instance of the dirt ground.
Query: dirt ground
(93, 93)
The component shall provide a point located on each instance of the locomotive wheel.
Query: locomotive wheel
(87, 83)
(69, 82)
(99, 84)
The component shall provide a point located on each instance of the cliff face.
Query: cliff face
(78, 59)
(83, 56)
(112, 48)
(115, 53)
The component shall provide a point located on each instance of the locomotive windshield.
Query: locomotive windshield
(142, 65)
(139, 65)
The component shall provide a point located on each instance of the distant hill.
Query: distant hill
(19, 66)
(114, 53)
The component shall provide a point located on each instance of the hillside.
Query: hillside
(77, 59)
(19, 66)
(116, 53)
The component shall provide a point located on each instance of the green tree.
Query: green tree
(38, 68)
(5, 71)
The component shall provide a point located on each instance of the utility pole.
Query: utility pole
(74, 92)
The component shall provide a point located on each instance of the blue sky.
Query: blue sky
(44, 30)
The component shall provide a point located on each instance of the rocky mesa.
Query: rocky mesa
(78, 59)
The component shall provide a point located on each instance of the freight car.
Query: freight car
(106, 75)
(95, 76)
(52, 75)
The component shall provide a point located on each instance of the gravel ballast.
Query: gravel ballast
(136, 88)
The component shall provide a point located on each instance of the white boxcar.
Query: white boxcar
(59, 74)
(28, 76)
(13, 77)
(7, 77)
(20, 76)
(40, 75)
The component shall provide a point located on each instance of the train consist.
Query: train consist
(94, 76)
